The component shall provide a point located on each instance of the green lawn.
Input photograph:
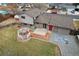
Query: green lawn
(10, 46)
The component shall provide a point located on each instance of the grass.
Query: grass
(34, 47)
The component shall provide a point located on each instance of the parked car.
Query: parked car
(24, 7)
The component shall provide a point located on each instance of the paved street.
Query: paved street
(68, 45)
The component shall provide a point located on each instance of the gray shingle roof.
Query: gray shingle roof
(43, 18)
(57, 20)
(62, 21)
(32, 12)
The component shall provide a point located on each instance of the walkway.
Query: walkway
(8, 21)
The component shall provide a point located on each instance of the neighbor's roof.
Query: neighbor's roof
(32, 12)
(67, 6)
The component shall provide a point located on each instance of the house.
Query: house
(24, 6)
(24, 18)
(41, 6)
(7, 10)
(67, 9)
(34, 12)
(50, 20)
(8, 6)
(62, 8)
(31, 14)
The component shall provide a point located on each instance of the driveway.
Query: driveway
(67, 44)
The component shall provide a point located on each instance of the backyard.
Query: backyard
(9, 45)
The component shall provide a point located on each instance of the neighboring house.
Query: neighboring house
(67, 9)
(8, 6)
(4, 10)
(24, 6)
(24, 18)
(63, 8)
(34, 12)
(60, 5)
(41, 6)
